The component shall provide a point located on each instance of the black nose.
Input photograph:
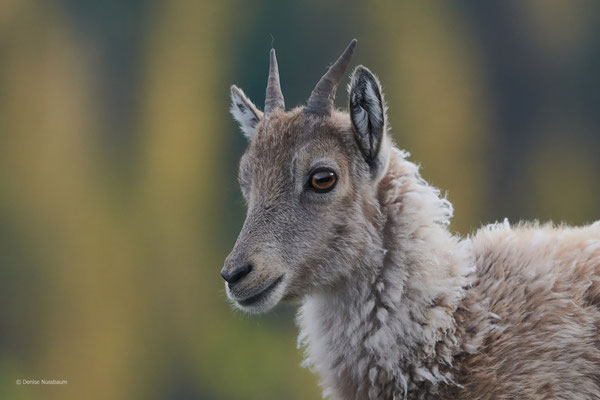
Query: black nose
(236, 275)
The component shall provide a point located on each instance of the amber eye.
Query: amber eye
(323, 180)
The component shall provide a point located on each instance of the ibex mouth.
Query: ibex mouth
(261, 295)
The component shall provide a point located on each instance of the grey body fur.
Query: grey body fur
(392, 305)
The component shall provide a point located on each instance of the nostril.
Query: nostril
(236, 275)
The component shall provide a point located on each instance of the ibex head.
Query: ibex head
(309, 177)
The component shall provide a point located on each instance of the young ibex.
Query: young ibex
(393, 305)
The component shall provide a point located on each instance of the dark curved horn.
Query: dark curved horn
(274, 98)
(322, 97)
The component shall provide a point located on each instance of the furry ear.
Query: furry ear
(368, 114)
(244, 112)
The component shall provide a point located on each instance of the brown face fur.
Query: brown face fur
(294, 237)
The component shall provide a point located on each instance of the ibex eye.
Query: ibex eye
(323, 180)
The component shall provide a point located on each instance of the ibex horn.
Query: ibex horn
(274, 98)
(322, 98)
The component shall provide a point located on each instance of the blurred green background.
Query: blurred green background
(118, 196)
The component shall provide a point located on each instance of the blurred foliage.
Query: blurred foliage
(118, 197)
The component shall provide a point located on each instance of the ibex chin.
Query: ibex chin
(393, 305)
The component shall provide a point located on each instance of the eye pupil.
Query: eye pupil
(323, 180)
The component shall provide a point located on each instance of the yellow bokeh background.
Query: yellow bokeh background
(118, 196)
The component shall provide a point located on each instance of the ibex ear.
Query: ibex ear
(368, 114)
(244, 112)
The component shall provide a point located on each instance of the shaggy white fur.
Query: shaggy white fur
(385, 327)
(400, 330)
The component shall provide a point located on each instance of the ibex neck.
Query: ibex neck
(392, 330)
